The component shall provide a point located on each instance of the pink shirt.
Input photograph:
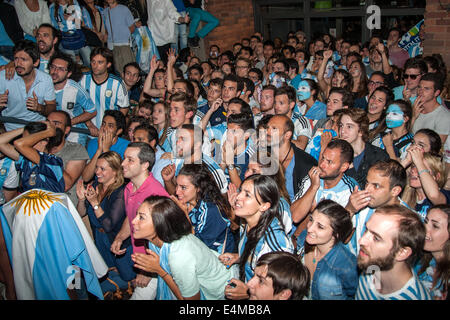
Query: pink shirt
(150, 187)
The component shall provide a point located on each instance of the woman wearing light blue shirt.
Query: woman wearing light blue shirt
(186, 267)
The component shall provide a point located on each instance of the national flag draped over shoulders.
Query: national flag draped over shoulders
(45, 238)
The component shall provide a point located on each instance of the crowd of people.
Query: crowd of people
(294, 170)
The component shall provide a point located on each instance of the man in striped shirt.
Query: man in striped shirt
(70, 96)
(394, 238)
(285, 98)
(106, 90)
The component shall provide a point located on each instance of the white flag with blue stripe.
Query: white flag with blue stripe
(46, 240)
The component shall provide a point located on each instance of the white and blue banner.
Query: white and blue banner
(411, 38)
(49, 245)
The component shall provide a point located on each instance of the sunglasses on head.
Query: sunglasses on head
(412, 76)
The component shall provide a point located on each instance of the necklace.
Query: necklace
(290, 148)
(315, 255)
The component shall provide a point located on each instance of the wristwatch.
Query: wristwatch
(231, 167)
(96, 207)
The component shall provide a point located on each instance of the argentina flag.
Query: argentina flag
(49, 247)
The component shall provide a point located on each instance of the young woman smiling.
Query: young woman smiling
(332, 266)
(433, 268)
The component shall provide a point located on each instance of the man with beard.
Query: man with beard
(385, 182)
(394, 238)
(189, 140)
(46, 37)
(29, 95)
(73, 155)
(70, 96)
(326, 181)
(294, 161)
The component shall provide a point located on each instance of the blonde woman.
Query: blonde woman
(104, 202)
(426, 180)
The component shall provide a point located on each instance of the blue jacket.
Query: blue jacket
(336, 275)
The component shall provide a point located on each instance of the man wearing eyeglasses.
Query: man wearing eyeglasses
(70, 96)
(413, 70)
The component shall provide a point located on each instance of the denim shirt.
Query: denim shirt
(336, 275)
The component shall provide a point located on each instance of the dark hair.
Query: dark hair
(184, 54)
(35, 127)
(287, 272)
(71, 65)
(249, 85)
(169, 220)
(290, 48)
(314, 87)
(347, 82)
(345, 148)
(293, 64)
(248, 49)
(340, 219)
(267, 190)
(55, 32)
(284, 63)
(442, 271)
(245, 107)
(287, 90)
(258, 72)
(236, 79)
(416, 63)
(195, 67)
(118, 116)
(243, 120)
(29, 47)
(201, 90)
(146, 153)
(379, 73)
(189, 86)
(436, 78)
(411, 230)
(393, 170)
(216, 82)
(202, 179)
(435, 140)
(104, 52)
(152, 133)
(347, 96)
(67, 118)
(269, 43)
(436, 62)
(131, 64)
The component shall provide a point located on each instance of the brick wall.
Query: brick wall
(437, 29)
(236, 22)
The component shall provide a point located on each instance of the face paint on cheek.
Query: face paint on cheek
(394, 116)
(303, 92)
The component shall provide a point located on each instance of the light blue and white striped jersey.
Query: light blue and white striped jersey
(359, 221)
(274, 239)
(75, 100)
(339, 193)
(112, 94)
(60, 23)
(412, 290)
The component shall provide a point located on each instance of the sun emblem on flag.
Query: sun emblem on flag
(35, 201)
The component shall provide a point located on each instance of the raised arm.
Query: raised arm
(25, 145)
(8, 149)
(320, 74)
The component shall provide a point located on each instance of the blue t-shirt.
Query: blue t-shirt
(47, 175)
(5, 40)
(118, 147)
(121, 19)
(357, 160)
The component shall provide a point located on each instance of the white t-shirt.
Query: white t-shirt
(437, 120)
